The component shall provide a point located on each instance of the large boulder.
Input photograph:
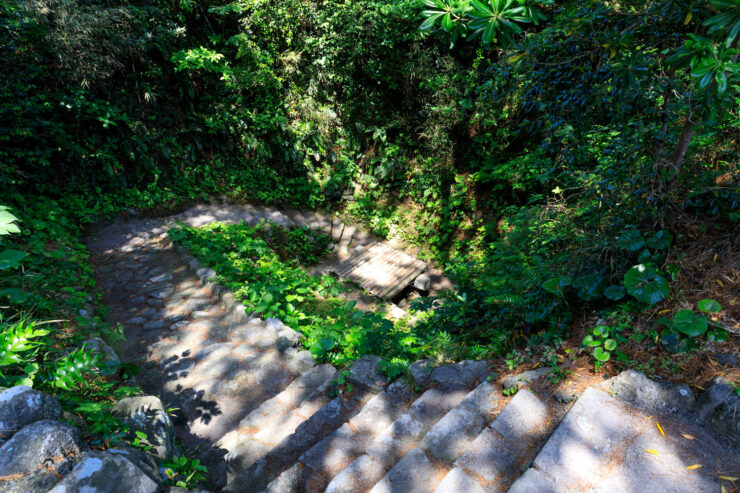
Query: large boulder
(37, 454)
(105, 472)
(21, 406)
(146, 414)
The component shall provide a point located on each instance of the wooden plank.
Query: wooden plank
(381, 270)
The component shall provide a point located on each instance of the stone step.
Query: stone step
(422, 468)
(611, 439)
(274, 413)
(318, 465)
(283, 455)
(451, 435)
(296, 218)
(271, 214)
(393, 443)
(414, 473)
(499, 453)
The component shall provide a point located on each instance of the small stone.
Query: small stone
(524, 378)
(161, 290)
(109, 357)
(178, 317)
(147, 414)
(420, 371)
(726, 359)
(288, 338)
(200, 314)
(21, 406)
(298, 362)
(565, 397)
(365, 372)
(155, 325)
(422, 282)
(135, 321)
(160, 278)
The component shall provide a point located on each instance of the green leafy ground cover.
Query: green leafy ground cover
(266, 266)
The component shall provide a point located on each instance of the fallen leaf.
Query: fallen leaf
(687, 436)
(663, 312)
(724, 490)
(715, 258)
(720, 283)
(728, 478)
(660, 428)
(655, 452)
(693, 466)
(536, 365)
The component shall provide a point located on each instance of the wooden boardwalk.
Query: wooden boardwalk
(380, 269)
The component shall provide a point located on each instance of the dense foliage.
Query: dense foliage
(548, 155)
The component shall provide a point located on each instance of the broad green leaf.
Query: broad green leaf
(646, 284)
(709, 306)
(601, 355)
(589, 286)
(631, 241)
(689, 323)
(7, 221)
(590, 341)
(615, 292)
(610, 344)
(11, 258)
(660, 240)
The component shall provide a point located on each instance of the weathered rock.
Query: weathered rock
(636, 389)
(420, 371)
(365, 372)
(146, 414)
(297, 361)
(36, 454)
(161, 290)
(726, 359)
(565, 396)
(460, 375)
(109, 357)
(287, 338)
(524, 378)
(21, 406)
(106, 473)
(719, 408)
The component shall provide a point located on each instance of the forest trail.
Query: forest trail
(262, 414)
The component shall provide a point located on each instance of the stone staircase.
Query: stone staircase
(264, 417)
